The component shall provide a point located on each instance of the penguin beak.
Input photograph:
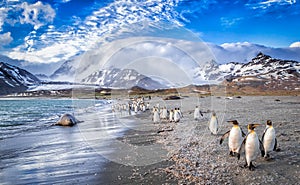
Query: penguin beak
(256, 125)
(253, 126)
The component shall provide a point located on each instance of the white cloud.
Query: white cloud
(270, 3)
(65, 1)
(295, 45)
(37, 14)
(245, 51)
(54, 53)
(3, 15)
(107, 23)
(5, 39)
(235, 45)
(229, 22)
(129, 17)
(153, 56)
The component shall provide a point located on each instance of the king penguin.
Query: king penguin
(269, 139)
(176, 115)
(197, 113)
(164, 114)
(171, 116)
(213, 124)
(156, 118)
(252, 146)
(235, 138)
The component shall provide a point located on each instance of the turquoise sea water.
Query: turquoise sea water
(25, 115)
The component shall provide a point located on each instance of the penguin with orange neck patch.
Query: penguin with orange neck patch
(253, 146)
(235, 138)
(269, 139)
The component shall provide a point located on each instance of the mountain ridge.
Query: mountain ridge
(262, 72)
(14, 79)
(122, 78)
(263, 66)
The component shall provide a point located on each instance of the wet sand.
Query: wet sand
(68, 155)
(189, 153)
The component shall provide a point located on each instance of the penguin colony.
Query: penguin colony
(237, 139)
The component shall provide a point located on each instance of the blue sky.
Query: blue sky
(272, 23)
(56, 30)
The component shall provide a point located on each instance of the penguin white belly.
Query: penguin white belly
(171, 116)
(235, 139)
(176, 116)
(213, 125)
(251, 147)
(269, 140)
(196, 114)
(136, 109)
(164, 114)
(156, 118)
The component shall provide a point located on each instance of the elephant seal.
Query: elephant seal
(67, 120)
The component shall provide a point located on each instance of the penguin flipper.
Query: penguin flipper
(201, 114)
(261, 147)
(243, 133)
(263, 136)
(239, 151)
(275, 145)
(224, 136)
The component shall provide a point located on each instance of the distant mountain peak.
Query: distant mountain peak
(122, 78)
(261, 58)
(14, 79)
(261, 68)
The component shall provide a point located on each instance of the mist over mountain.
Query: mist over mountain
(32, 67)
(261, 66)
(231, 62)
(241, 52)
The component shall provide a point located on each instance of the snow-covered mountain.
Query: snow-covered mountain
(66, 72)
(262, 66)
(262, 70)
(32, 67)
(122, 78)
(14, 79)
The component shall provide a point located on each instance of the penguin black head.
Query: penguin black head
(234, 122)
(252, 126)
(269, 122)
(214, 114)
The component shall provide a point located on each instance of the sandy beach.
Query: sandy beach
(185, 152)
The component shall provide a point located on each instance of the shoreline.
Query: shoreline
(60, 154)
(115, 173)
(141, 134)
